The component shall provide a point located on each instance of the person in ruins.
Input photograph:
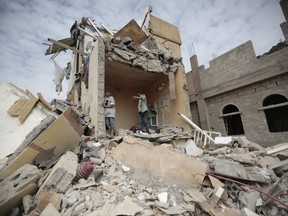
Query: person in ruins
(109, 106)
(142, 111)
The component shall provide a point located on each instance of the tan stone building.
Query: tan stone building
(243, 94)
(145, 57)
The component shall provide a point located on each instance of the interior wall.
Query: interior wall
(156, 92)
(126, 107)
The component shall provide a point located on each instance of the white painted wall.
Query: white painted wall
(12, 132)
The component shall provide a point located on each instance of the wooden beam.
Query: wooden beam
(95, 27)
(62, 45)
(87, 33)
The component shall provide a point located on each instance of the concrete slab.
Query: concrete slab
(63, 134)
(12, 131)
(61, 175)
(192, 149)
(127, 207)
(148, 160)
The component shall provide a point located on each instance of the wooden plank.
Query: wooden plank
(22, 108)
(62, 45)
(43, 101)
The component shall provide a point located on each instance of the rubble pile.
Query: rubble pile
(149, 55)
(139, 49)
(127, 175)
(162, 173)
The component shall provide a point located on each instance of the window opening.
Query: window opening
(232, 120)
(276, 112)
(153, 119)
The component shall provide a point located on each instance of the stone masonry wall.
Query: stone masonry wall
(236, 63)
(228, 66)
(248, 100)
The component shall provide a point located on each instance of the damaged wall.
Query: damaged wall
(168, 35)
(11, 130)
(92, 97)
(122, 69)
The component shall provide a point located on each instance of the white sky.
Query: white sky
(213, 26)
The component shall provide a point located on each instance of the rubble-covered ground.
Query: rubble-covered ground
(163, 173)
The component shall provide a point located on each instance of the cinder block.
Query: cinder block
(20, 183)
(62, 173)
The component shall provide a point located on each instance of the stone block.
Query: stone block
(20, 183)
(62, 173)
(50, 210)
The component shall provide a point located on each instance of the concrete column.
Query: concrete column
(284, 27)
(284, 6)
(101, 85)
(94, 96)
(202, 109)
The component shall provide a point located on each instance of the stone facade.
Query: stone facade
(240, 80)
(249, 99)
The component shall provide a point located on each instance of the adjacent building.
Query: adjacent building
(243, 94)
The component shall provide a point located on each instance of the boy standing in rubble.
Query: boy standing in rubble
(142, 111)
(109, 105)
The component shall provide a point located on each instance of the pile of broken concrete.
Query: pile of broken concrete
(60, 170)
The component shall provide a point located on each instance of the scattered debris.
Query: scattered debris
(142, 175)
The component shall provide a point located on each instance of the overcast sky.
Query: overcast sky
(213, 26)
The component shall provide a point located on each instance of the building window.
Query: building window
(152, 119)
(232, 120)
(276, 111)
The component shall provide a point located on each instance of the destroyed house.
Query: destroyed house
(143, 57)
(241, 94)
